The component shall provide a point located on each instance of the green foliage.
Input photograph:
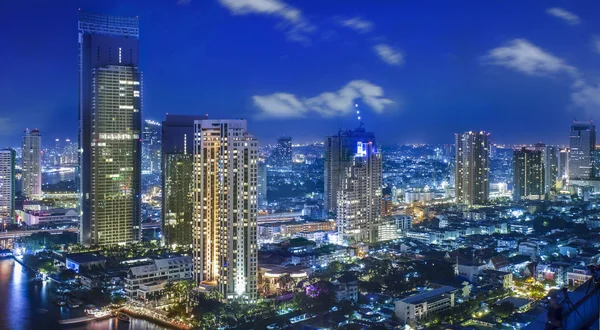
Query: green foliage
(503, 310)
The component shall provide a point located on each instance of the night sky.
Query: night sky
(419, 70)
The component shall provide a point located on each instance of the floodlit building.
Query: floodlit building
(417, 306)
(110, 124)
(151, 147)
(225, 208)
(359, 197)
(262, 184)
(152, 277)
(472, 168)
(31, 164)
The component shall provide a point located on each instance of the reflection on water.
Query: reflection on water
(28, 305)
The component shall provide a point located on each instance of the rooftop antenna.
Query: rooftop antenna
(360, 122)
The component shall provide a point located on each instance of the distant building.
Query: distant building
(563, 165)
(177, 149)
(340, 150)
(472, 168)
(550, 165)
(7, 185)
(282, 155)
(262, 185)
(31, 164)
(582, 146)
(225, 202)
(359, 196)
(417, 306)
(403, 222)
(151, 147)
(110, 125)
(528, 175)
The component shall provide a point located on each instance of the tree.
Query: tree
(285, 281)
(504, 309)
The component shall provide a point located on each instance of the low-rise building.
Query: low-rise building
(50, 216)
(578, 275)
(171, 268)
(80, 261)
(417, 306)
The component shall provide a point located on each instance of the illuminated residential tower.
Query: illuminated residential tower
(110, 113)
(31, 160)
(472, 168)
(7, 186)
(225, 204)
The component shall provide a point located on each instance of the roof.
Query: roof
(417, 299)
(86, 257)
(500, 262)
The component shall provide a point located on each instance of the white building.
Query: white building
(7, 185)
(225, 202)
(417, 306)
(403, 222)
(41, 217)
(141, 280)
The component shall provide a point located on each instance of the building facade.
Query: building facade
(178, 179)
(472, 168)
(110, 108)
(31, 162)
(582, 146)
(151, 147)
(152, 277)
(340, 150)
(359, 197)
(528, 175)
(282, 155)
(262, 185)
(7, 185)
(413, 308)
(225, 208)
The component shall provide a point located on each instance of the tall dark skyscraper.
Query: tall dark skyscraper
(262, 185)
(282, 155)
(31, 164)
(582, 145)
(472, 168)
(110, 124)
(178, 179)
(550, 163)
(528, 174)
(340, 150)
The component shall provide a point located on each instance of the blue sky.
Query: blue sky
(419, 70)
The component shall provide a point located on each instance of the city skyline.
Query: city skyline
(519, 73)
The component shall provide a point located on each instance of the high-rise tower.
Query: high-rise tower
(225, 208)
(340, 150)
(582, 144)
(472, 168)
(528, 173)
(32, 164)
(7, 186)
(282, 155)
(178, 179)
(359, 198)
(110, 113)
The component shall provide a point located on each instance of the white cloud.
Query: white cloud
(596, 44)
(291, 18)
(358, 24)
(567, 16)
(523, 56)
(327, 104)
(586, 96)
(389, 54)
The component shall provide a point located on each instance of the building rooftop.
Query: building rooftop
(426, 296)
(85, 257)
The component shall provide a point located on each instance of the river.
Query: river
(28, 305)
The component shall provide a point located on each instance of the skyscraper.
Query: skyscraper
(282, 155)
(340, 150)
(262, 184)
(7, 185)
(582, 144)
(32, 164)
(359, 198)
(550, 163)
(110, 108)
(472, 168)
(528, 174)
(178, 179)
(151, 147)
(225, 203)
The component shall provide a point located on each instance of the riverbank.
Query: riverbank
(154, 317)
